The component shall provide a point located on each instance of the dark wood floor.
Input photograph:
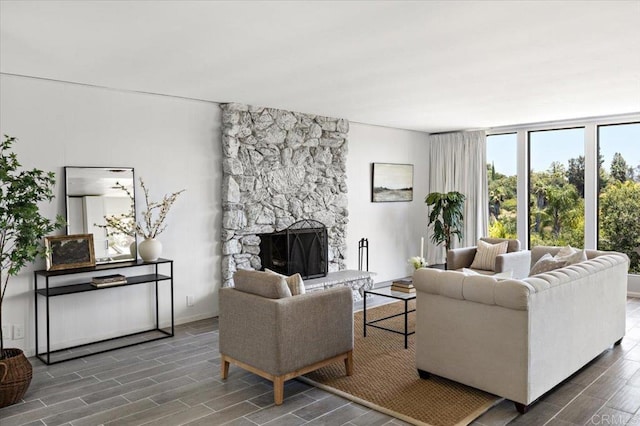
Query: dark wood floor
(177, 381)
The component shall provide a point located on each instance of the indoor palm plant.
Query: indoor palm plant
(446, 216)
(21, 230)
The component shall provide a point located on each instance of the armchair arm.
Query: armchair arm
(246, 325)
(314, 327)
(518, 261)
(460, 257)
(282, 335)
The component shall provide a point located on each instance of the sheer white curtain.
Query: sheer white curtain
(458, 162)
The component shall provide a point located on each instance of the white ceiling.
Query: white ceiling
(432, 66)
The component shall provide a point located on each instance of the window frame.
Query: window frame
(591, 142)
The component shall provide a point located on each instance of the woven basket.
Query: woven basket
(15, 376)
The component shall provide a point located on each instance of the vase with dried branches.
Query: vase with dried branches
(154, 216)
(153, 223)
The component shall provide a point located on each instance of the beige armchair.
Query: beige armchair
(265, 330)
(516, 260)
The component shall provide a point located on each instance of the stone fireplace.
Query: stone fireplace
(280, 167)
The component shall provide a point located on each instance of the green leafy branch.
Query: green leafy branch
(21, 225)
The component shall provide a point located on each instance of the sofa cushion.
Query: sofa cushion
(260, 283)
(294, 282)
(538, 251)
(512, 244)
(486, 254)
(547, 263)
(571, 255)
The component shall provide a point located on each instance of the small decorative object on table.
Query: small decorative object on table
(418, 262)
(108, 280)
(69, 251)
(125, 224)
(405, 285)
(150, 249)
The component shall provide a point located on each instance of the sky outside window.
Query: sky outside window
(562, 145)
(625, 139)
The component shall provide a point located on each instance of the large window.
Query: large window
(619, 190)
(556, 187)
(502, 177)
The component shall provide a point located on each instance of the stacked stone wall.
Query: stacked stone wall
(280, 167)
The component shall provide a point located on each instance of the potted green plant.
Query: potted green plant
(446, 217)
(21, 230)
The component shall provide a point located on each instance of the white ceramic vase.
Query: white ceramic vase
(150, 249)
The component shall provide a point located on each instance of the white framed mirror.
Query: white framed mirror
(101, 201)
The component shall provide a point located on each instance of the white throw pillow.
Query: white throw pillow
(571, 255)
(486, 255)
(294, 282)
(546, 263)
(565, 252)
(504, 275)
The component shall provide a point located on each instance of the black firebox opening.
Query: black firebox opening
(301, 248)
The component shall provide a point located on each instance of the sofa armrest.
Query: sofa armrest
(314, 327)
(518, 261)
(460, 257)
(282, 335)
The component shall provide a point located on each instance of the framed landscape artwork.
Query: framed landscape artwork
(69, 251)
(391, 182)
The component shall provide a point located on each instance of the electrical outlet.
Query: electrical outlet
(190, 300)
(6, 332)
(18, 331)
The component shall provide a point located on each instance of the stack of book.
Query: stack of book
(405, 285)
(108, 280)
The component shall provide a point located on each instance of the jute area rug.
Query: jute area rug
(385, 378)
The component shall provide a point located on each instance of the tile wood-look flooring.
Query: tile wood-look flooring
(177, 381)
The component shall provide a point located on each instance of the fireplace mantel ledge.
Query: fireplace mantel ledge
(359, 281)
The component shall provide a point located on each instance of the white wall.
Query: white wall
(393, 229)
(172, 143)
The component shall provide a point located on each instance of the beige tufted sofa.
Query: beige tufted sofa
(519, 338)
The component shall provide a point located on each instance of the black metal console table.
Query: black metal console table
(49, 291)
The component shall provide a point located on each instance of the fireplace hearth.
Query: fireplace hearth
(300, 248)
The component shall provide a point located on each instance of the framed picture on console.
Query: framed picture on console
(69, 251)
(391, 182)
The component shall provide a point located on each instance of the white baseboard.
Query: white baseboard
(185, 320)
(633, 294)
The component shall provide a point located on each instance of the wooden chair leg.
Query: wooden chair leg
(348, 363)
(224, 368)
(278, 390)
